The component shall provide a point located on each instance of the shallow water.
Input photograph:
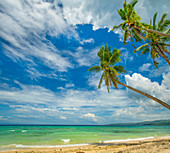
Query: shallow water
(50, 136)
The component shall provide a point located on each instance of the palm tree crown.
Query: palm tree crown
(108, 61)
(156, 44)
(131, 19)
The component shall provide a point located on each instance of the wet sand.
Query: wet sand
(161, 145)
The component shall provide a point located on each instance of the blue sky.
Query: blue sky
(46, 49)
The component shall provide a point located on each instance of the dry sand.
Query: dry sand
(161, 145)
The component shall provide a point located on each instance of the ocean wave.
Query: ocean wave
(16, 146)
(43, 146)
(11, 130)
(125, 140)
(24, 131)
(65, 140)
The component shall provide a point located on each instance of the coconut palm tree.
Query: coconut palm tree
(132, 26)
(131, 19)
(110, 71)
(156, 44)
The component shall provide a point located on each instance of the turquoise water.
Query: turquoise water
(29, 136)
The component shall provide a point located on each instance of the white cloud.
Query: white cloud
(145, 67)
(81, 56)
(25, 24)
(90, 116)
(63, 117)
(153, 88)
(86, 106)
(69, 85)
(85, 41)
(104, 13)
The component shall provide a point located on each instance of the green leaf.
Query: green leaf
(154, 20)
(120, 69)
(100, 82)
(133, 3)
(141, 47)
(156, 64)
(164, 16)
(125, 36)
(95, 69)
(122, 14)
(117, 26)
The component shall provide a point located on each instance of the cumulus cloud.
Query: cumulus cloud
(90, 116)
(87, 106)
(153, 88)
(104, 13)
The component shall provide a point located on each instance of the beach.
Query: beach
(158, 145)
(84, 139)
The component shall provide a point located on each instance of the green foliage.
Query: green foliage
(108, 61)
(152, 33)
(133, 3)
(156, 45)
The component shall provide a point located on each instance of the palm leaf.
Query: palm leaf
(100, 82)
(156, 64)
(122, 14)
(154, 20)
(117, 26)
(164, 16)
(114, 71)
(145, 51)
(133, 3)
(141, 47)
(120, 69)
(95, 69)
(125, 36)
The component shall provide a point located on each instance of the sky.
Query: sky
(46, 49)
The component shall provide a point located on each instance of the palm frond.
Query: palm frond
(120, 69)
(133, 3)
(114, 71)
(101, 80)
(141, 47)
(95, 69)
(146, 50)
(163, 18)
(154, 20)
(122, 14)
(164, 25)
(156, 64)
(125, 36)
(117, 26)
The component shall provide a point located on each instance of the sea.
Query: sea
(19, 137)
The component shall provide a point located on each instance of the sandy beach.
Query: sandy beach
(161, 145)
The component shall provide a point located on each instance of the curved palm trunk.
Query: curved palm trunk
(146, 95)
(153, 31)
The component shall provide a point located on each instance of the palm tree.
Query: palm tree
(156, 44)
(132, 26)
(110, 70)
(131, 19)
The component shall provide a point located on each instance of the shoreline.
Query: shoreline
(159, 144)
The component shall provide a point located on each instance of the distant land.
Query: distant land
(154, 123)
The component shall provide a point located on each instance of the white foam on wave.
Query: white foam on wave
(11, 130)
(24, 130)
(65, 140)
(126, 140)
(44, 146)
